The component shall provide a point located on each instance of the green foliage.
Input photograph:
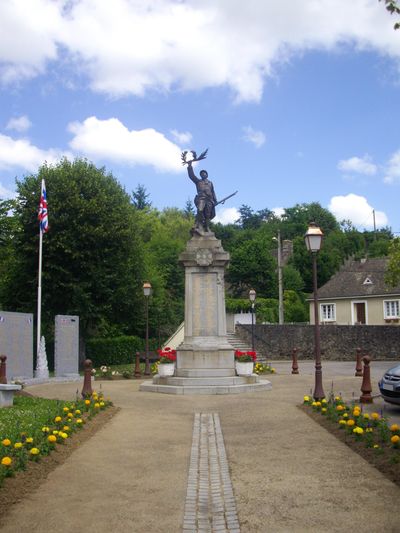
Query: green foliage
(113, 351)
(393, 271)
(140, 198)
(393, 7)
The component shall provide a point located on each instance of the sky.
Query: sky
(296, 102)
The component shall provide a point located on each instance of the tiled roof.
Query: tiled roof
(359, 279)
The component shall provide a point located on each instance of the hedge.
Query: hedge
(113, 351)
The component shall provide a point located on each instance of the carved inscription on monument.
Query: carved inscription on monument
(66, 345)
(204, 310)
(16, 336)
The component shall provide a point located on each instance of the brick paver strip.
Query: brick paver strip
(210, 505)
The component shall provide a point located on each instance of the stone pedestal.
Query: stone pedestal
(205, 361)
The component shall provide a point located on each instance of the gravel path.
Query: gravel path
(288, 474)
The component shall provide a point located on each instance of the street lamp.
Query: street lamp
(252, 298)
(280, 284)
(147, 293)
(313, 240)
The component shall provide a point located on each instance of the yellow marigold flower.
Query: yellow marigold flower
(45, 429)
(102, 404)
(394, 427)
(358, 430)
(306, 399)
(318, 404)
(395, 439)
(65, 409)
(345, 415)
(350, 422)
(64, 435)
(338, 398)
(6, 461)
(339, 408)
(18, 445)
(52, 438)
(356, 412)
(79, 421)
(87, 402)
(314, 404)
(343, 422)
(369, 430)
(57, 419)
(35, 451)
(55, 432)
(324, 410)
(29, 440)
(97, 405)
(324, 400)
(366, 416)
(66, 428)
(77, 412)
(376, 445)
(375, 416)
(273, 370)
(6, 442)
(70, 415)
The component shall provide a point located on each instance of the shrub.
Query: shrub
(113, 351)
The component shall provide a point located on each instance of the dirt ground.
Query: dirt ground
(289, 474)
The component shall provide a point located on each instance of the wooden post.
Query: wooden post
(138, 373)
(87, 380)
(366, 387)
(295, 366)
(3, 373)
(359, 369)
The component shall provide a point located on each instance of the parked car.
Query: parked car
(389, 385)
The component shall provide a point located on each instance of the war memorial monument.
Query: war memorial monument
(205, 361)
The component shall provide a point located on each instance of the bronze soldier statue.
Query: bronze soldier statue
(205, 199)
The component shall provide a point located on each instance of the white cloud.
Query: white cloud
(278, 211)
(393, 169)
(182, 137)
(227, 215)
(131, 46)
(111, 140)
(253, 136)
(357, 209)
(21, 153)
(19, 124)
(5, 193)
(359, 165)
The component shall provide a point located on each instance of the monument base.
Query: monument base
(202, 385)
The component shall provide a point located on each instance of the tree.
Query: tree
(393, 7)
(393, 272)
(92, 257)
(189, 209)
(140, 198)
(9, 228)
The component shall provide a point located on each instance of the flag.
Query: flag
(43, 215)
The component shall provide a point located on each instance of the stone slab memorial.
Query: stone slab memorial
(66, 346)
(16, 342)
(205, 361)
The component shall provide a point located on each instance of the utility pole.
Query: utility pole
(280, 285)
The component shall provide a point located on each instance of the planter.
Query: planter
(166, 369)
(244, 369)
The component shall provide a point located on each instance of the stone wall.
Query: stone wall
(337, 342)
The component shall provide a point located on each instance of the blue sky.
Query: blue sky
(295, 105)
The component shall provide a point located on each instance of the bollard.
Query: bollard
(359, 370)
(3, 373)
(295, 366)
(87, 379)
(138, 373)
(366, 387)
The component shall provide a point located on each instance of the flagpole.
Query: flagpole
(39, 297)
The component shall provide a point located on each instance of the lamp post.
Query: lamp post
(252, 298)
(313, 240)
(280, 283)
(147, 293)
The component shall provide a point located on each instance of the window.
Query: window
(328, 312)
(392, 308)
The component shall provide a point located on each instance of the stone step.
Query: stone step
(206, 389)
(206, 381)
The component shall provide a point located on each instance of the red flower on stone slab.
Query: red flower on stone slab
(245, 357)
(167, 356)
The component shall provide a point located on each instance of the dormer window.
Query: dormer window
(368, 281)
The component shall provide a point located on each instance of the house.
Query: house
(358, 294)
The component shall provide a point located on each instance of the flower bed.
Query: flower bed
(369, 434)
(34, 427)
